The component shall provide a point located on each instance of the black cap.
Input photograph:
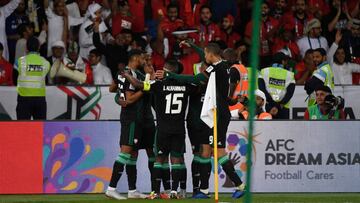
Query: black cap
(323, 88)
(279, 57)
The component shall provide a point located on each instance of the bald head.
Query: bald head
(230, 55)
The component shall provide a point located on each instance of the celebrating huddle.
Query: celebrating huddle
(168, 93)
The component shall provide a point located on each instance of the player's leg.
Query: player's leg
(183, 178)
(205, 171)
(195, 164)
(147, 142)
(166, 179)
(177, 144)
(224, 161)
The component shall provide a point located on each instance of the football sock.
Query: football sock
(166, 176)
(205, 170)
(175, 175)
(151, 168)
(157, 176)
(195, 172)
(228, 167)
(183, 176)
(118, 168)
(131, 173)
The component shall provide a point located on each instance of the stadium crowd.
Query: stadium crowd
(315, 43)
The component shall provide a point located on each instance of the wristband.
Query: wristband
(147, 85)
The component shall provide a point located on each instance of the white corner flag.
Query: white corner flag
(209, 104)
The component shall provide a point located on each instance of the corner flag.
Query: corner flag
(209, 102)
(209, 116)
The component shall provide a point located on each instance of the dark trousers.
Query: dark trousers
(28, 107)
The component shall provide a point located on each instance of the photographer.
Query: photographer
(327, 107)
(242, 113)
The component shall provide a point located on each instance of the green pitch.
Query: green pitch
(257, 198)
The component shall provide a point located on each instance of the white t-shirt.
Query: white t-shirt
(343, 72)
(306, 43)
(102, 75)
(56, 25)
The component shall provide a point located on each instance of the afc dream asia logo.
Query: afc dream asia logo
(237, 143)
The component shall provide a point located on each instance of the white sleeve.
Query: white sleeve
(42, 37)
(75, 21)
(331, 52)
(355, 67)
(9, 7)
(235, 113)
(49, 12)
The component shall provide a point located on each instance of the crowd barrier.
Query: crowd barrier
(77, 157)
(97, 103)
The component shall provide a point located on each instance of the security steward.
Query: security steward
(278, 84)
(31, 89)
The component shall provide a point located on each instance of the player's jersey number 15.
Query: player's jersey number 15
(174, 103)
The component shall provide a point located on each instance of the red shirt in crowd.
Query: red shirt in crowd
(266, 28)
(299, 25)
(300, 70)
(158, 61)
(137, 14)
(120, 22)
(281, 44)
(206, 33)
(6, 73)
(159, 6)
(168, 27)
(190, 14)
(188, 62)
(230, 39)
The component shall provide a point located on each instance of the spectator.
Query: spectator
(25, 31)
(6, 70)
(31, 89)
(157, 55)
(138, 15)
(75, 62)
(340, 63)
(298, 18)
(121, 17)
(58, 53)
(190, 11)
(228, 35)
(278, 84)
(317, 8)
(337, 19)
(101, 73)
(351, 40)
(59, 22)
(279, 9)
(305, 68)
(222, 8)
(268, 28)
(207, 30)
(5, 12)
(285, 40)
(325, 107)
(17, 18)
(169, 24)
(115, 53)
(313, 38)
(87, 29)
(323, 75)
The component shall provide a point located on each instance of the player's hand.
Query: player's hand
(122, 102)
(184, 43)
(160, 74)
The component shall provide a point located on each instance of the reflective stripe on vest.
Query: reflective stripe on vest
(329, 81)
(276, 81)
(242, 86)
(32, 72)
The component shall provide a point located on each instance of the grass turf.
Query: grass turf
(257, 198)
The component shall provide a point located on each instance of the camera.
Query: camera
(335, 102)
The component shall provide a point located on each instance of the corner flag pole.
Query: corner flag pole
(216, 176)
(254, 63)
